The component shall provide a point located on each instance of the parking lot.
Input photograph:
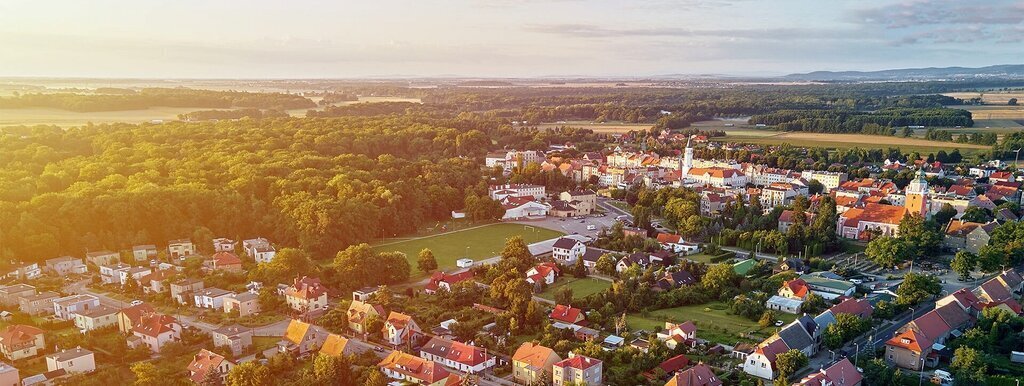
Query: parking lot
(574, 225)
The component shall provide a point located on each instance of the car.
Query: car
(591, 227)
(857, 281)
(779, 323)
(583, 221)
(378, 349)
(135, 302)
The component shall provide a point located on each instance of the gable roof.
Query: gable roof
(931, 325)
(674, 364)
(224, 258)
(19, 335)
(155, 325)
(296, 331)
(795, 336)
(966, 299)
(415, 367)
(858, 307)
(566, 314)
(910, 340)
(307, 288)
(798, 287)
(953, 315)
(771, 349)
(668, 238)
(437, 278)
(698, 375)
(359, 311)
(334, 345)
(995, 290)
(135, 313)
(533, 354)
(398, 320)
(565, 243)
(455, 351)
(202, 363)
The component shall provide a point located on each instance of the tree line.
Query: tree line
(156, 97)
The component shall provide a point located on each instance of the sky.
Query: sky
(498, 38)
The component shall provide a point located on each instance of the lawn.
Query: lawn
(261, 343)
(475, 243)
(713, 320)
(581, 288)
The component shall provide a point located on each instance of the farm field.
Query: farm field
(842, 141)
(989, 97)
(607, 127)
(713, 321)
(63, 118)
(581, 288)
(476, 243)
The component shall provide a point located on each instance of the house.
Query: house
(532, 362)
(591, 256)
(698, 375)
(842, 373)
(11, 295)
(992, 291)
(676, 244)
(73, 361)
(1012, 280)
(860, 308)
(66, 265)
(761, 363)
(180, 249)
(206, 366)
(211, 298)
(155, 330)
(246, 303)
(38, 304)
(66, 307)
(129, 317)
(543, 274)
(786, 220)
(9, 375)
(670, 366)
(784, 304)
(675, 334)
(965, 299)
(415, 370)
(26, 272)
(789, 265)
(564, 209)
(969, 236)
(156, 282)
(133, 273)
(336, 345)
(181, 290)
(675, 279)
(144, 252)
(400, 329)
(111, 274)
(909, 350)
(359, 312)
(223, 244)
(641, 259)
(20, 341)
(45, 379)
(225, 261)
(444, 281)
(578, 370)
(364, 294)
(795, 289)
(827, 287)
(96, 317)
(259, 249)
(800, 335)
(586, 200)
(101, 258)
(456, 355)
(301, 338)
(872, 220)
(234, 337)
(306, 294)
(566, 250)
(567, 314)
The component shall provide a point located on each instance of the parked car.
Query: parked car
(591, 227)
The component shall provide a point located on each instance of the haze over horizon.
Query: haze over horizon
(498, 38)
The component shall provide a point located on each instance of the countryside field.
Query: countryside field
(607, 127)
(476, 243)
(581, 288)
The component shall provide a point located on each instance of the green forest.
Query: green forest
(124, 99)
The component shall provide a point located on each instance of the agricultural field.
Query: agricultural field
(713, 320)
(581, 288)
(476, 243)
(606, 127)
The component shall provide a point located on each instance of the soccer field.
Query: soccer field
(475, 243)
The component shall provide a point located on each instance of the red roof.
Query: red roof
(19, 336)
(225, 258)
(798, 286)
(543, 269)
(306, 288)
(770, 350)
(858, 307)
(910, 340)
(440, 277)
(455, 351)
(698, 375)
(578, 362)
(931, 325)
(995, 290)
(674, 364)
(155, 324)
(566, 314)
(1012, 304)
(667, 238)
(967, 299)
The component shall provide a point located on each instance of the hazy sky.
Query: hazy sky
(352, 38)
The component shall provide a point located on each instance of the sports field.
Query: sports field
(581, 288)
(713, 321)
(476, 243)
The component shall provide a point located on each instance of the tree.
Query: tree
(963, 263)
(977, 214)
(564, 296)
(425, 261)
(146, 374)
(968, 367)
(767, 319)
(718, 277)
(516, 255)
(789, 362)
(917, 287)
(888, 251)
(945, 213)
(921, 236)
(579, 269)
(375, 378)
(1011, 102)
(606, 264)
(332, 370)
(845, 328)
(815, 187)
(814, 304)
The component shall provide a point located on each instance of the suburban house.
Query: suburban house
(181, 290)
(301, 338)
(180, 248)
(259, 249)
(591, 256)
(400, 329)
(359, 312)
(207, 365)
(761, 363)
(73, 361)
(156, 330)
(698, 375)
(567, 314)
(842, 373)
(444, 281)
(456, 355)
(415, 370)
(306, 294)
(642, 259)
(38, 304)
(156, 282)
(938, 324)
(66, 265)
(20, 341)
(993, 291)
(676, 243)
(66, 307)
(800, 335)
(111, 273)
(791, 264)
(784, 304)
(129, 317)
(675, 279)
(969, 236)
(531, 362)
(909, 350)
(965, 299)
(133, 273)
(675, 334)
(26, 272)
(364, 294)
(96, 317)
(577, 370)
(585, 201)
(337, 345)
(144, 252)
(860, 308)
(211, 297)
(566, 250)
(543, 274)
(223, 244)
(11, 295)
(234, 337)
(225, 261)
(795, 289)
(246, 303)
(101, 258)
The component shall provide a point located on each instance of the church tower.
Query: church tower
(917, 195)
(687, 163)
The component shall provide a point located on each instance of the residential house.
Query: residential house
(45, 379)
(698, 375)
(246, 303)
(585, 200)
(336, 345)
(676, 244)
(827, 287)
(415, 370)
(784, 304)
(26, 272)
(306, 294)
(456, 355)
(156, 282)
(358, 314)
(795, 289)
(965, 299)
(842, 373)
(675, 279)
(206, 366)
(567, 314)
(761, 363)
(38, 304)
(259, 249)
(566, 250)
(11, 295)
(969, 236)
(155, 330)
(66, 265)
(532, 362)
(670, 366)
(131, 316)
(992, 291)
(111, 273)
(225, 261)
(144, 252)
(181, 290)
(908, 349)
(591, 256)
(211, 298)
(73, 361)
(642, 259)
(1012, 280)
(860, 308)
(223, 244)
(96, 318)
(362, 294)
(791, 264)
(400, 329)
(20, 341)
(134, 274)
(786, 220)
(66, 307)
(180, 249)
(444, 281)
(101, 258)
(675, 334)
(9, 375)
(235, 337)
(543, 274)
(301, 338)
(578, 370)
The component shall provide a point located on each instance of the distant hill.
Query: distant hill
(1014, 71)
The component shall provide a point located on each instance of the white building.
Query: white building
(498, 192)
(567, 250)
(66, 307)
(259, 249)
(211, 297)
(73, 361)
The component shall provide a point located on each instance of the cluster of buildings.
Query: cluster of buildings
(526, 201)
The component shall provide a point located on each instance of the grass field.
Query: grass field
(713, 321)
(581, 288)
(606, 127)
(62, 118)
(476, 243)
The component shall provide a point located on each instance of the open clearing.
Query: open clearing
(581, 288)
(713, 321)
(63, 118)
(606, 127)
(989, 97)
(476, 243)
